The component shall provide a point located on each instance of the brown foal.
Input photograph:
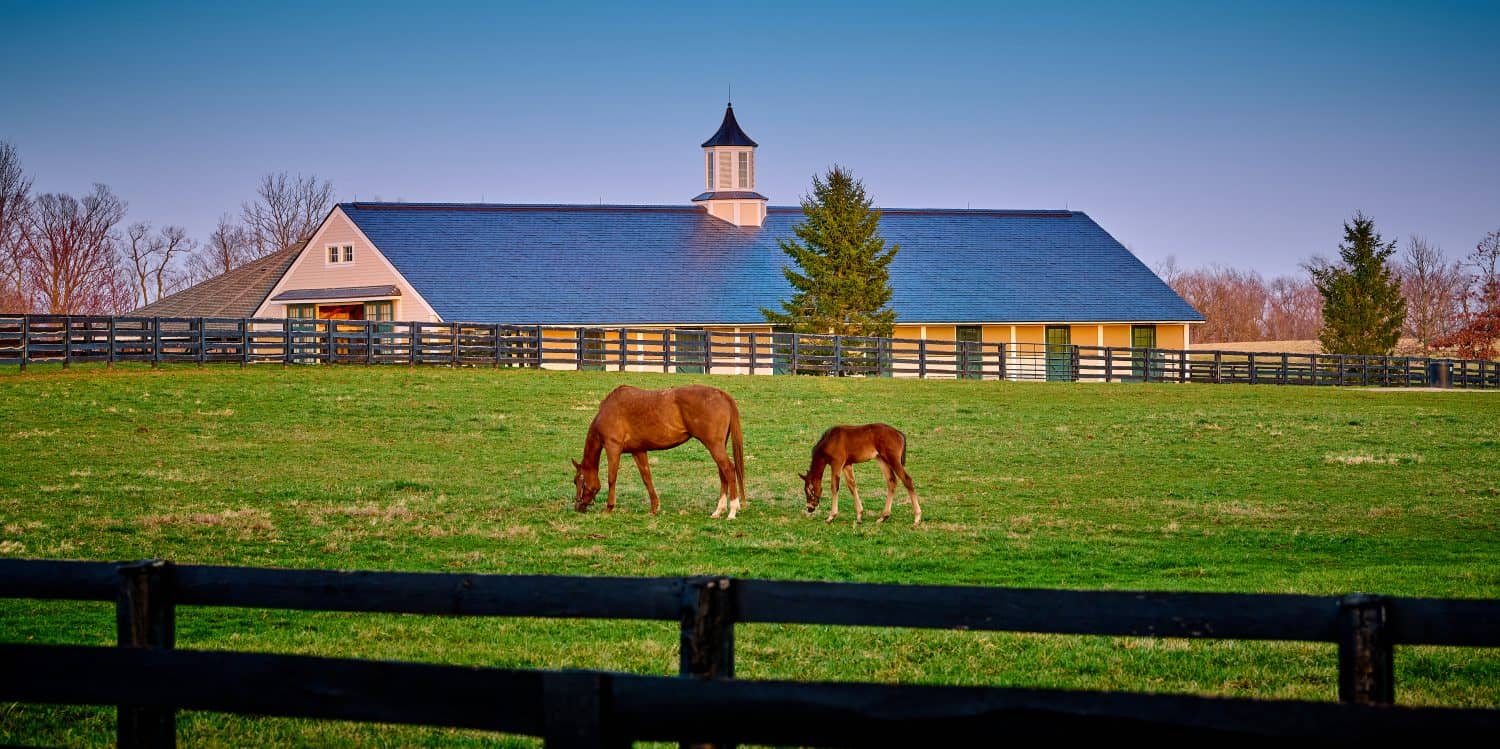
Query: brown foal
(843, 446)
(635, 421)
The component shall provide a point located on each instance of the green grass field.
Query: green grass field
(1169, 487)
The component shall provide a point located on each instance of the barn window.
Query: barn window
(300, 311)
(710, 155)
(338, 255)
(333, 254)
(744, 170)
(725, 167)
(348, 253)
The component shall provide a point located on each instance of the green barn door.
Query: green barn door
(1142, 337)
(970, 353)
(689, 348)
(1059, 353)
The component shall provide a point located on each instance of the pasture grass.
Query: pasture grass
(1088, 486)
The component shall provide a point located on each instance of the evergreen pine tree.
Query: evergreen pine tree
(841, 278)
(1363, 308)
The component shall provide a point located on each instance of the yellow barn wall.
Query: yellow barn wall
(1169, 336)
(1030, 333)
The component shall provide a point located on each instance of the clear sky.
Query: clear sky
(1241, 134)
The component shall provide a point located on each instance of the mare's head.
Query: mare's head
(812, 491)
(585, 486)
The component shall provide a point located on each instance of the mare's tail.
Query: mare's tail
(738, 438)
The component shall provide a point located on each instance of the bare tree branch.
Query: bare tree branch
(70, 251)
(1434, 289)
(15, 207)
(286, 211)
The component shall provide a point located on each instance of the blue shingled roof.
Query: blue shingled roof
(605, 265)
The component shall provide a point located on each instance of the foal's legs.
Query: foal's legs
(838, 468)
(890, 488)
(726, 479)
(859, 507)
(643, 464)
(911, 491)
(614, 469)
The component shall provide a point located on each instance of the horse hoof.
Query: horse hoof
(714, 516)
(830, 518)
(883, 518)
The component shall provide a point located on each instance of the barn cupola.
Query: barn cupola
(729, 176)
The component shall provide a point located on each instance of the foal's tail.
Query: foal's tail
(903, 447)
(738, 438)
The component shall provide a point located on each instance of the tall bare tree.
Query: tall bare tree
(286, 211)
(1232, 302)
(152, 260)
(15, 207)
(1294, 309)
(228, 247)
(1483, 264)
(70, 252)
(1434, 289)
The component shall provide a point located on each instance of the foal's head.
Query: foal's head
(585, 486)
(812, 491)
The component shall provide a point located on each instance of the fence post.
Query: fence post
(623, 334)
(1341, 370)
(369, 343)
(1074, 364)
(145, 617)
(244, 342)
(575, 706)
(411, 344)
(1254, 373)
(25, 341)
(1366, 673)
(286, 341)
(495, 339)
(796, 362)
(67, 341)
(1004, 355)
(1109, 365)
(202, 342)
(707, 649)
(922, 359)
(109, 361)
(1218, 367)
(578, 347)
(708, 352)
(838, 356)
(456, 351)
(155, 342)
(753, 342)
(328, 336)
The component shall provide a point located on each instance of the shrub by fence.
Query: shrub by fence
(32, 339)
(150, 680)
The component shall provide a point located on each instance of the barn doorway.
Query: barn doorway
(341, 311)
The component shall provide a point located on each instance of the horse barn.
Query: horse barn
(625, 280)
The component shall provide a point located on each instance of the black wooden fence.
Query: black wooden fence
(33, 339)
(149, 680)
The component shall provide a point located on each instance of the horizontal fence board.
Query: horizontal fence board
(1205, 615)
(853, 714)
(432, 593)
(276, 685)
(1254, 616)
(664, 708)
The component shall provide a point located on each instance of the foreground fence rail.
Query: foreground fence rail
(150, 680)
(37, 339)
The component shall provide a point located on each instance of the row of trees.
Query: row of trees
(1366, 301)
(66, 254)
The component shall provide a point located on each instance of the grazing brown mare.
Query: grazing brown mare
(843, 446)
(631, 420)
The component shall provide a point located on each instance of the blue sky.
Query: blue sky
(1240, 134)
